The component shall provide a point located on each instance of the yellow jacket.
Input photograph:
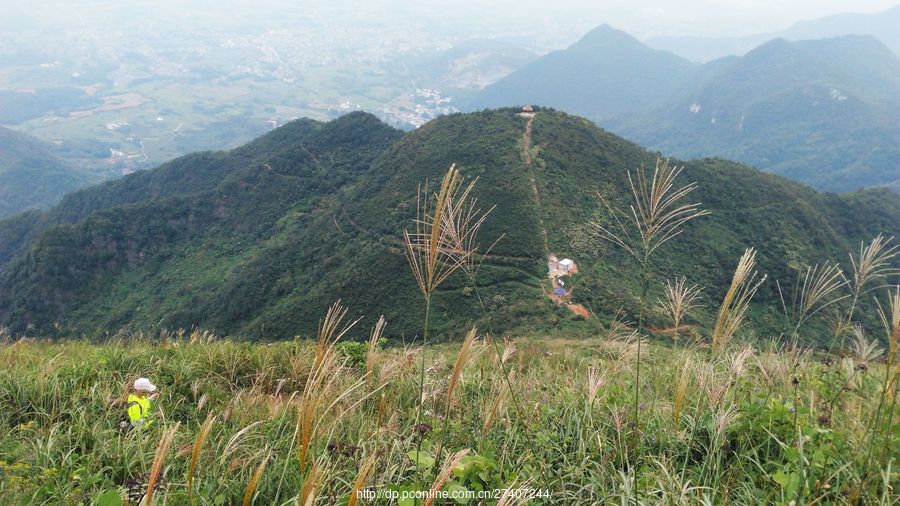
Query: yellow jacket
(139, 410)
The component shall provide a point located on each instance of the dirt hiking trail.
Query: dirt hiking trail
(526, 157)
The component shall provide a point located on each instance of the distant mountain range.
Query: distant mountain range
(885, 26)
(824, 112)
(258, 241)
(32, 176)
(605, 74)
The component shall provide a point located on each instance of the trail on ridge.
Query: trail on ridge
(526, 157)
(578, 309)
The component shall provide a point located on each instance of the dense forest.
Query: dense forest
(256, 242)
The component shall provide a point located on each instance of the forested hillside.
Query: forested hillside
(258, 241)
(32, 176)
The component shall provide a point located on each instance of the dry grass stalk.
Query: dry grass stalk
(495, 406)
(508, 351)
(628, 348)
(165, 443)
(511, 498)
(724, 418)
(461, 360)
(444, 475)
(744, 285)
(202, 401)
(444, 240)
(682, 381)
(874, 262)
(860, 346)
(382, 405)
(595, 382)
(891, 320)
(776, 364)
(621, 328)
(680, 300)
(372, 349)
(738, 361)
(235, 441)
(710, 383)
(656, 214)
(205, 337)
(311, 485)
(618, 417)
(321, 380)
(836, 321)
(361, 479)
(462, 221)
(195, 454)
(328, 336)
(254, 479)
(390, 370)
(464, 352)
(819, 288)
(432, 252)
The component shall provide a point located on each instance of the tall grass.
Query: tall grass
(254, 479)
(873, 263)
(443, 475)
(680, 300)
(656, 215)
(464, 352)
(682, 381)
(443, 241)
(733, 310)
(429, 251)
(199, 441)
(159, 460)
(820, 287)
(712, 426)
(318, 393)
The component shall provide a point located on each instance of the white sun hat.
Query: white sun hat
(144, 385)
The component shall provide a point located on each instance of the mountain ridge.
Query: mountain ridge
(822, 112)
(32, 176)
(610, 77)
(882, 25)
(261, 251)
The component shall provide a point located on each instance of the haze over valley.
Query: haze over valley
(115, 88)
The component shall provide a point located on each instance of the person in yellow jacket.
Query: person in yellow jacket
(140, 403)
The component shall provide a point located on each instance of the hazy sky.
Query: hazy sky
(704, 17)
(644, 18)
(554, 18)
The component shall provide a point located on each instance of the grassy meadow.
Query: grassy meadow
(621, 416)
(751, 426)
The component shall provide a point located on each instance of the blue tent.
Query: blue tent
(559, 291)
